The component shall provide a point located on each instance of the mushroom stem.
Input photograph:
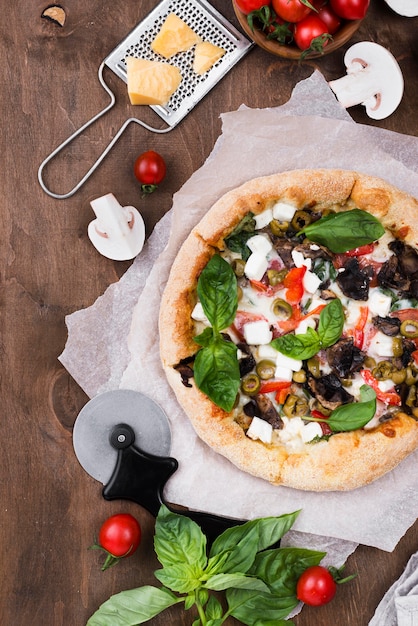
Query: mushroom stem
(357, 87)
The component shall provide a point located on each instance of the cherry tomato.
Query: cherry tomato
(350, 9)
(119, 536)
(316, 586)
(291, 10)
(311, 33)
(246, 6)
(150, 170)
(327, 15)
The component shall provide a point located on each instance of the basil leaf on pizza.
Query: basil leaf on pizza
(331, 323)
(289, 328)
(298, 346)
(344, 231)
(217, 289)
(216, 372)
(304, 346)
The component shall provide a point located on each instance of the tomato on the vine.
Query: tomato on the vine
(246, 6)
(150, 170)
(350, 9)
(311, 33)
(316, 586)
(292, 10)
(119, 537)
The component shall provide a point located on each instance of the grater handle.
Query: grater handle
(105, 151)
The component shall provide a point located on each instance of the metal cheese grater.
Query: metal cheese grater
(210, 25)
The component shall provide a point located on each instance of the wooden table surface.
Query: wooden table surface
(50, 508)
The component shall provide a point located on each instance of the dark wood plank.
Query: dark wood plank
(50, 509)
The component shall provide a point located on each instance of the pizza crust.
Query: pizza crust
(347, 460)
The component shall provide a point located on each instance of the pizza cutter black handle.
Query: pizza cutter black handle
(141, 478)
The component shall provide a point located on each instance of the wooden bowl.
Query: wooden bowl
(344, 34)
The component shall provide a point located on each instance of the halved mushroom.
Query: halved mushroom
(373, 79)
(118, 232)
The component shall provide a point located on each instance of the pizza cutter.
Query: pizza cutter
(122, 438)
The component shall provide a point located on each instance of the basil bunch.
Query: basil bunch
(259, 580)
(306, 345)
(344, 231)
(216, 368)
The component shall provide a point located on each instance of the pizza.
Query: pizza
(289, 328)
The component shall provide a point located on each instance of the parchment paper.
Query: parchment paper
(114, 343)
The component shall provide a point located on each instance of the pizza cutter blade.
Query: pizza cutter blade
(122, 438)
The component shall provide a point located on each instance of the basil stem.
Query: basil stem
(344, 231)
(306, 345)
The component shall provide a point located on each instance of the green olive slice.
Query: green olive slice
(250, 384)
(409, 328)
(282, 309)
(301, 219)
(265, 369)
(295, 406)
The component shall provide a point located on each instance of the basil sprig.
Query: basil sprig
(351, 416)
(258, 578)
(344, 231)
(216, 368)
(306, 345)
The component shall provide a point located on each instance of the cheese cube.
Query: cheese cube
(310, 431)
(256, 266)
(287, 361)
(151, 82)
(257, 333)
(300, 261)
(379, 303)
(311, 282)
(263, 219)
(283, 211)
(260, 243)
(304, 325)
(174, 36)
(267, 352)
(205, 56)
(284, 374)
(260, 429)
(381, 345)
(198, 314)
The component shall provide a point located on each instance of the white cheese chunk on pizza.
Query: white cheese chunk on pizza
(256, 266)
(260, 429)
(379, 303)
(257, 333)
(283, 211)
